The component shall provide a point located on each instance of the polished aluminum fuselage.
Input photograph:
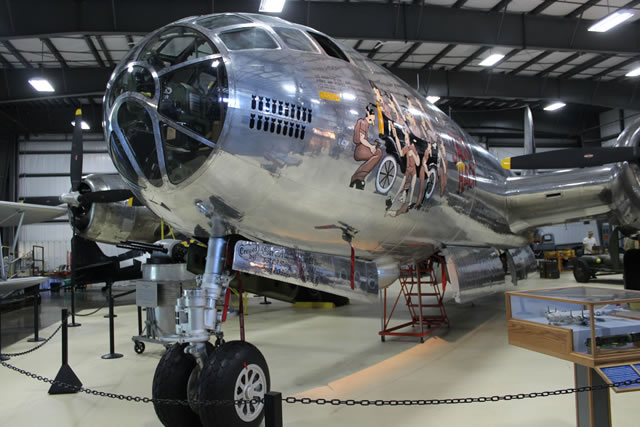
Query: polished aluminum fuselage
(278, 189)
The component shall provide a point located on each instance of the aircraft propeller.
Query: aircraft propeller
(76, 197)
(573, 158)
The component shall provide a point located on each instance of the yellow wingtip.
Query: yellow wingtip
(506, 163)
(78, 112)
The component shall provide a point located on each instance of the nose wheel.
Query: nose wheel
(236, 371)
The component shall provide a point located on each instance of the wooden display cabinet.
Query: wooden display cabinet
(565, 322)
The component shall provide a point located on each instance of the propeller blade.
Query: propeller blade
(107, 196)
(76, 153)
(572, 158)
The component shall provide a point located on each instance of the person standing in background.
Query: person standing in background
(589, 242)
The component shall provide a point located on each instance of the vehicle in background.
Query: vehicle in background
(547, 243)
(589, 267)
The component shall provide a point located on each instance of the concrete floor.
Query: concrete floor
(322, 353)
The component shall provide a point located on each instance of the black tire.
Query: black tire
(581, 271)
(138, 347)
(218, 382)
(632, 269)
(170, 382)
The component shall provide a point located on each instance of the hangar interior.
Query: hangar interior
(544, 54)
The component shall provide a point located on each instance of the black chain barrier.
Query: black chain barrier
(334, 402)
(22, 353)
(307, 400)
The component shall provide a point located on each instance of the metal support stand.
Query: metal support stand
(109, 315)
(273, 409)
(593, 408)
(112, 345)
(65, 374)
(265, 301)
(2, 358)
(73, 323)
(36, 315)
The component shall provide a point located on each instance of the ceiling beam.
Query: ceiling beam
(11, 48)
(541, 7)
(558, 64)
(585, 65)
(421, 23)
(439, 56)
(497, 85)
(406, 54)
(94, 51)
(617, 66)
(577, 12)
(530, 62)
(470, 58)
(502, 5)
(105, 51)
(55, 52)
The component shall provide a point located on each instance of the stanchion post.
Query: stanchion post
(112, 345)
(2, 358)
(65, 375)
(36, 316)
(73, 323)
(139, 321)
(273, 409)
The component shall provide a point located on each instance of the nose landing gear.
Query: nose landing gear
(193, 370)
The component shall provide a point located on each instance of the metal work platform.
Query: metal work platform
(420, 290)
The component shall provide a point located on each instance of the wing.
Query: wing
(10, 213)
(19, 283)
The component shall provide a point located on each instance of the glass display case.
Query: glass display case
(586, 325)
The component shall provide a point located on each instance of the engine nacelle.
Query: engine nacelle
(113, 222)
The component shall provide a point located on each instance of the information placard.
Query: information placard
(620, 373)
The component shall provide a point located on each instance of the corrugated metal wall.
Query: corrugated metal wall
(43, 175)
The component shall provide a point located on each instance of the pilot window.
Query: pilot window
(196, 97)
(219, 21)
(136, 125)
(329, 47)
(295, 39)
(175, 45)
(183, 155)
(248, 38)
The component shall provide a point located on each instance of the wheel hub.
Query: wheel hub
(250, 385)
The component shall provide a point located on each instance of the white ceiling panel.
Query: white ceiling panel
(582, 58)
(480, 4)
(560, 8)
(75, 51)
(431, 48)
(393, 46)
(519, 6)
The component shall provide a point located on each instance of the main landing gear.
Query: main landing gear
(196, 371)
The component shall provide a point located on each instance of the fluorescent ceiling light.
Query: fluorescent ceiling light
(433, 99)
(615, 19)
(554, 106)
(491, 60)
(85, 125)
(271, 6)
(633, 73)
(41, 85)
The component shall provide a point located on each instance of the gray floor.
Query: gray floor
(322, 353)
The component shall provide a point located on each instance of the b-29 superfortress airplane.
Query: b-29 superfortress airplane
(284, 151)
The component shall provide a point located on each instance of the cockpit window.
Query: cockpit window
(183, 155)
(248, 38)
(219, 21)
(121, 160)
(329, 47)
(295, 39)
(136, 125)
(196, 97)
(271, 20)
(175, 45)
(133, 79)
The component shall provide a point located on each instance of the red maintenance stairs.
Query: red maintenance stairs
(420, 291)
